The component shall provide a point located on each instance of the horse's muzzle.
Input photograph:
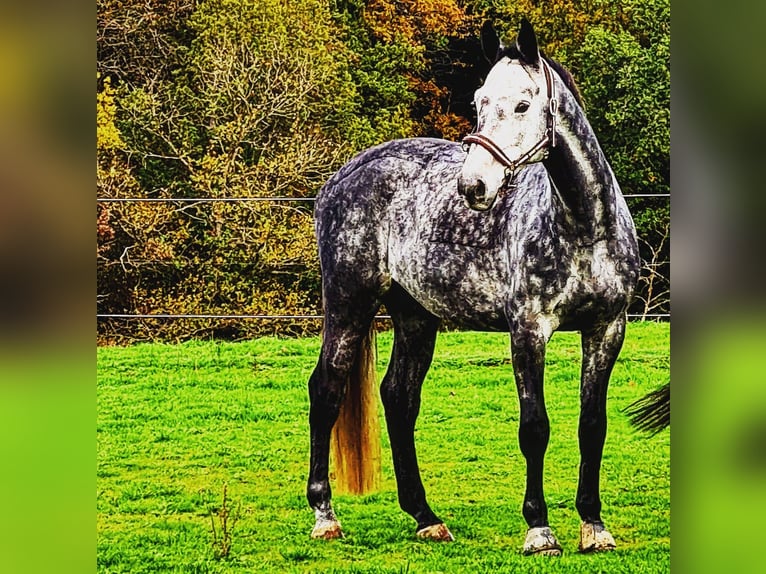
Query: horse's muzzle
(474, 193)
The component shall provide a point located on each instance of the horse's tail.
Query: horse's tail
(355, 443)
(651, 413)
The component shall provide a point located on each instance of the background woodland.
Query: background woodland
(257, 99)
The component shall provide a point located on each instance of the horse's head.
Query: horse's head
(516, 111)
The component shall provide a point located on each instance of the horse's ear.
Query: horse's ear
(490, 42)
(526, 43)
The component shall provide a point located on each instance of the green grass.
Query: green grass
(177, 422)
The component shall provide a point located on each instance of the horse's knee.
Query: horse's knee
(534, 432)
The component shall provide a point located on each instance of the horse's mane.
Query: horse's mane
(513, 53)
(568, 79)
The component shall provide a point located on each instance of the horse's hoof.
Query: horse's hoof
(327, 530)
(541, 541)
(595, 538)
(438, 532)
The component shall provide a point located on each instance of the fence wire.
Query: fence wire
(278, 317)
(272, 199)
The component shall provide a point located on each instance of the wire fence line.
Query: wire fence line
(257, 199)
(201, 199)
(213, 316)
(276, 317)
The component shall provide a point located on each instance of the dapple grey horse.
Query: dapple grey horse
(522, 228)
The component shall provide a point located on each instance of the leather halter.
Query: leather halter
(548, 138)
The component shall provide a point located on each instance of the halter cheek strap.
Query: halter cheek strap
(549, 138)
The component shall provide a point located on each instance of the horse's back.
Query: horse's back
(376, 173)
(354, 216)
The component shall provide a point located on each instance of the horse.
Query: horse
(520, 228)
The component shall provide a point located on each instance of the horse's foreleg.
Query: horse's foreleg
(327, 387)
(414, 339)
(528, 355)
(600, 350)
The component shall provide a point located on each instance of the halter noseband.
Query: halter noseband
(548, 138)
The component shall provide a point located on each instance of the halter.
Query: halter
(549, 137)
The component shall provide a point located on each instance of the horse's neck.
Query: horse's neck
(581, 173)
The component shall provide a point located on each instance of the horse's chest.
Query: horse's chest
(585, 279)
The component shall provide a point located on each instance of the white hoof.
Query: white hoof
(540, 540)
(327, 530)
(595, 538)
(438, 532)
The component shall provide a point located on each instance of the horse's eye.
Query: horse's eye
(522, 107)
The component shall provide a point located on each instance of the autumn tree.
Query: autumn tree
(260, 103)
(409, 57)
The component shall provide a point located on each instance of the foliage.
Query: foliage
(141, 41)
(561, 24)
(176, 423)
(399, 45)
(246, 98)
(260, 104)
(626, 76)
(413, 21)
(653, 294)
(107, 135)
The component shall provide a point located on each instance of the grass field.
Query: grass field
(178, 422)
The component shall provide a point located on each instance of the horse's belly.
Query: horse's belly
(459, 284)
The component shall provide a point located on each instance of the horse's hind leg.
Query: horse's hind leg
(601, 347)
(528, 342)
(327, 386)
(414, 340)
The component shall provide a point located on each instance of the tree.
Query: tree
(407, 60)
(259, 102)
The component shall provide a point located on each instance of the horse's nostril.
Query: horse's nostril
(480, 190)
(472, 191)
